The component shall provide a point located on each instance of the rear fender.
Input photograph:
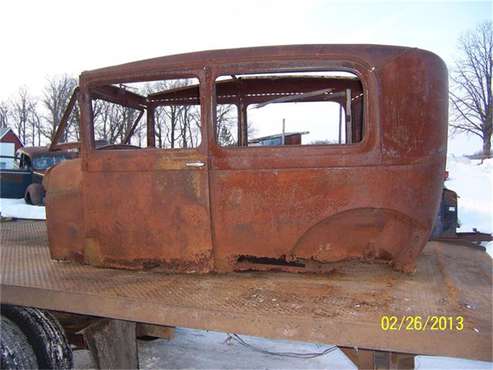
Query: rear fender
(364, 233)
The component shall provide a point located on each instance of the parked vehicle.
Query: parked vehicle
(447, 224)
(199, 198)
(14, 179)
(22, 178)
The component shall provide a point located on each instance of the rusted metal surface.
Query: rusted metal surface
(289, 208)
(342, 308)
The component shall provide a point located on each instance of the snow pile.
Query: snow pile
(472, 180)
(17, 208)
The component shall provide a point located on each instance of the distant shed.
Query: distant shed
(9, 143)
(7, 135)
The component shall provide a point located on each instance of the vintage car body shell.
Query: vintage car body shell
(291, 208)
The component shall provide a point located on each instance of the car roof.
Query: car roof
(374, 55)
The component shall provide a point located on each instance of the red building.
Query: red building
(7, 135)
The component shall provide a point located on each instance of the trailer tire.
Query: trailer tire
(15, 350)
(45, 335)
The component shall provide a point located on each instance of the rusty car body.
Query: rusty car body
(285, 207)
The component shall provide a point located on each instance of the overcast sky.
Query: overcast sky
(45, 38)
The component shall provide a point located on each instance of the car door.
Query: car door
(148, 208)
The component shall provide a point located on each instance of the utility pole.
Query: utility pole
(283, 140)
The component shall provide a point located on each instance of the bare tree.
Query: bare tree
(170, 122)
(225, 124)
(23, 114)
(189, 126)
(177, 126)
(101, 116)
(158, 122)
(73, 129)
(35, 124)
(123, 118)
(55, 98)
(472, 97)
(4, 114)
(113, 121)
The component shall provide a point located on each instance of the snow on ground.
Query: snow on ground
(473, 183)
(449, 363)
(199, 349)
(17, 208)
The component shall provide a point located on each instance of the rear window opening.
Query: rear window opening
(302, 108)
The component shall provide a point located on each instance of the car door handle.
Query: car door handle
(195, 164)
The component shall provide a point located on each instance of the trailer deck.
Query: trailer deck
(343, 307)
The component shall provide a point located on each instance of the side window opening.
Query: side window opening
(177, 126)
(162, 114)
(116, 124)
(176, 107)
(322, 108)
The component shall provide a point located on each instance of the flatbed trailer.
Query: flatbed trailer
(344, 307)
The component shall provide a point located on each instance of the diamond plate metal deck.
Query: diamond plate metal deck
(343, 307)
